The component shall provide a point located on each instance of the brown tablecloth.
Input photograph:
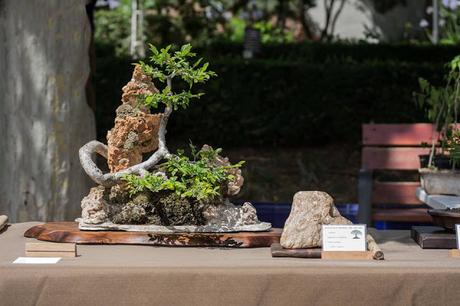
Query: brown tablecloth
(145, 275)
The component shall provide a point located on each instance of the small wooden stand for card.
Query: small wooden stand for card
(454, 253)
(48, 249)
(278, 251)
(347, 255)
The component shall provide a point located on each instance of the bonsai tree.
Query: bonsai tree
(166, 189)
(442, 104)
(167, 66)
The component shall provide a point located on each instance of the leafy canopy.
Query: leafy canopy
(442, 102)
(198, 178)
(453, 146)
(167, 65)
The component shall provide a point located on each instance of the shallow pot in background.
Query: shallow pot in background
(436, 181)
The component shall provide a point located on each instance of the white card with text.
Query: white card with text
(37, 260)
(344, 237)
(457, 232)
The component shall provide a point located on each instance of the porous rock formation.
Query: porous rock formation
(310, 210)
(135, 131)
(139, 85)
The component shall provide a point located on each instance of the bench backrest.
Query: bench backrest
(395, 147)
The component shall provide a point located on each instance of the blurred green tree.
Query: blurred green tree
(203, 21)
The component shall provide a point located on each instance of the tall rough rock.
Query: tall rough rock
(44, 116)
(310, 210)
(136, 130)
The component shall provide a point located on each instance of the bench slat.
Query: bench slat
(395, 193)
(397, 134)
(392, 158)
(402, 215)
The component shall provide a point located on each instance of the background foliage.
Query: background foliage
(309, 97)
(308, 93)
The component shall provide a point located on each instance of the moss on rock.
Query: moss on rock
(140, 209)
(177, 210)
(130, 214)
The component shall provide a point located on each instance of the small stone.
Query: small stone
(248, 214)
(94, 206)
(310, 210)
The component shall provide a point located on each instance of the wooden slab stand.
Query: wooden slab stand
(278, 251)
(48, 249)
(69, 232)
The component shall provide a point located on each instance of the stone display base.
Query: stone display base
(69, 232)
(109, 226)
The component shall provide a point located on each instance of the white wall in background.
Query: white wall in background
(358, 14)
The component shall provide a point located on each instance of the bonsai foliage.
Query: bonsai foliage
(168, 65)
(199, 178)
(442, 104)
(452, 145)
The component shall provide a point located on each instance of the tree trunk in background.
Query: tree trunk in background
(44, 117)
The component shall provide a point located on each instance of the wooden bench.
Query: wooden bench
(394, 147)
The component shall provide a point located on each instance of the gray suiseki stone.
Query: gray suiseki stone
(310, 210)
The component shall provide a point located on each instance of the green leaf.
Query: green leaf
(153, 49)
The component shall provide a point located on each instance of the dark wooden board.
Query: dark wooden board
(69, 232)
(432, 237)
(279, 251)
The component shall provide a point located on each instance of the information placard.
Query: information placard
(344, 237)
(457, 233)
